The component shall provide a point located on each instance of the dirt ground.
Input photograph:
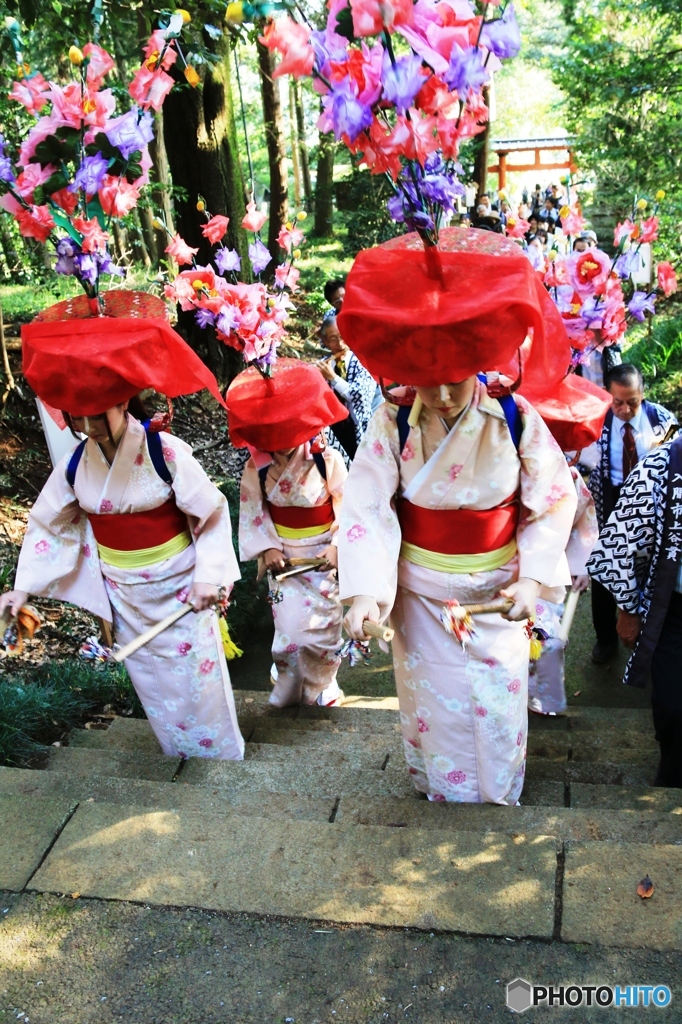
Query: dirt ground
(65, 961)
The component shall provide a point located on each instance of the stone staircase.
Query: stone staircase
(320, 821)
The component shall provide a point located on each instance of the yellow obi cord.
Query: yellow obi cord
(229, 646)
(460, 564)
(295, 533)
(144, 556)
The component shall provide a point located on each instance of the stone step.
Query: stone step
(350, 741)
(161, 796)
(322, 754)
(611, 720)
(119, 763)
(632, 798)
(608, 773)
(421, 878)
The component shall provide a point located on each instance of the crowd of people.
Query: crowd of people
(405, 503)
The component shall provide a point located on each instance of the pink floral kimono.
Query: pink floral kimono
(463, 712)
(180, 677)
(308, 612)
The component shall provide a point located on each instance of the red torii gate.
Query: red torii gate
(503, 147)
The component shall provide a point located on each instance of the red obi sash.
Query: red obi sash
(458, 531)
(132, 531)
(293, 517)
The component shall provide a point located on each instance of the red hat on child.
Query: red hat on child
(574, 411)
(282, 411)
(436, 315)
(85, 364)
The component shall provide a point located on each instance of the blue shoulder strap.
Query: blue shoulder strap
(72, 466)
(155, 449)
(321, 464)
(509, 408)
(262, 473)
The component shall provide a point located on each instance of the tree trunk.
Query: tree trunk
(482, 158)
(149, 234)
(161, 194)
(277, 153)
(295, 161)
(8, 247)
(140, 252)
(199, 134)
(324, 188)
(302, 147)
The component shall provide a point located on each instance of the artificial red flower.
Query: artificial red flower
(100, 64)
(150, 88)
(589, 271)
(215, 229)
(622, 231)
(180, 250)
(36, 222)
(67, 200)
(117, 196)
(667, 278)
(293, 42)
(371, 17)
(93, 236)
(649, 230)
(31, 92)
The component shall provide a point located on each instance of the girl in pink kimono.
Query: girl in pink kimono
(291, 493)
(462, 497)
(129, 526)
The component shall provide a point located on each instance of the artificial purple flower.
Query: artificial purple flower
(442, 190)
(466, 71)
(131, 131)
(396, 209)
(228, 260)
(419, 221)
(66, 250)
(90, 174)
(502, 36)
(85, 268)
(259, 255)
(6, 171)
(628, 263)
(204, 317)
(228, 318)
(402, 80)
(105, 265)
(592, 312)
(344, 112)
(640, 304)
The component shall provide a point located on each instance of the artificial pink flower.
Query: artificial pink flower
(73, 107)
(667, 278)
(30, 92)
(517, 227)
(93, 236)
(290, 237)
(649, 230)
(117, 196)
(180, 250)
(154, 47)
(293, 42)
(622, 231)
(215, 229)
(589, 271)
(287, 276)
(30, 178)
(573, 223)
(254, 220)
(150, 88)
(371, 17)
(36, 222)
(101, 63)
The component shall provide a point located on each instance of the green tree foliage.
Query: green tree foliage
(621, 71)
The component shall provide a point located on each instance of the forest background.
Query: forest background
(605, 73)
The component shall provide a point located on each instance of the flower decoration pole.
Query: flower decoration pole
(401, 85)
(81, 167)
(247, 317)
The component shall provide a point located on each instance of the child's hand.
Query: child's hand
(202, 596)
(13, 599)
(273, 560)
(331, 556)
(580, 583)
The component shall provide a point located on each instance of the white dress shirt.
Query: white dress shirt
(645, 440)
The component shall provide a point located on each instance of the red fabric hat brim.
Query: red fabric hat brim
(574, 411)
(85, 366)
(282, 411)
(436, 316)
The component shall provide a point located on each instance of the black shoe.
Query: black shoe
(602, 653)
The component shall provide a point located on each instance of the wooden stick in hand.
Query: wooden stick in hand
(144, 638)
(501, 605)
(380, 632)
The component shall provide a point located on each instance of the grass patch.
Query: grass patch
(38, 706)
(659, 357)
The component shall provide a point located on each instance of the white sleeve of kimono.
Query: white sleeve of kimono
(548, 503)
(257, 531)
(58, 556)
(209, 518)
(585, 530)
(369, 532)
(337, 474)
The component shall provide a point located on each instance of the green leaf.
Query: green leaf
(57, 6)
(63, 221)
(94, 209)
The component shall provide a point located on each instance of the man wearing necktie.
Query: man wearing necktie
(633, 426)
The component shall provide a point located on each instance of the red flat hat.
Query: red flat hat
(85, 364)
(574, 411)
(438, 315)
(282, 411)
